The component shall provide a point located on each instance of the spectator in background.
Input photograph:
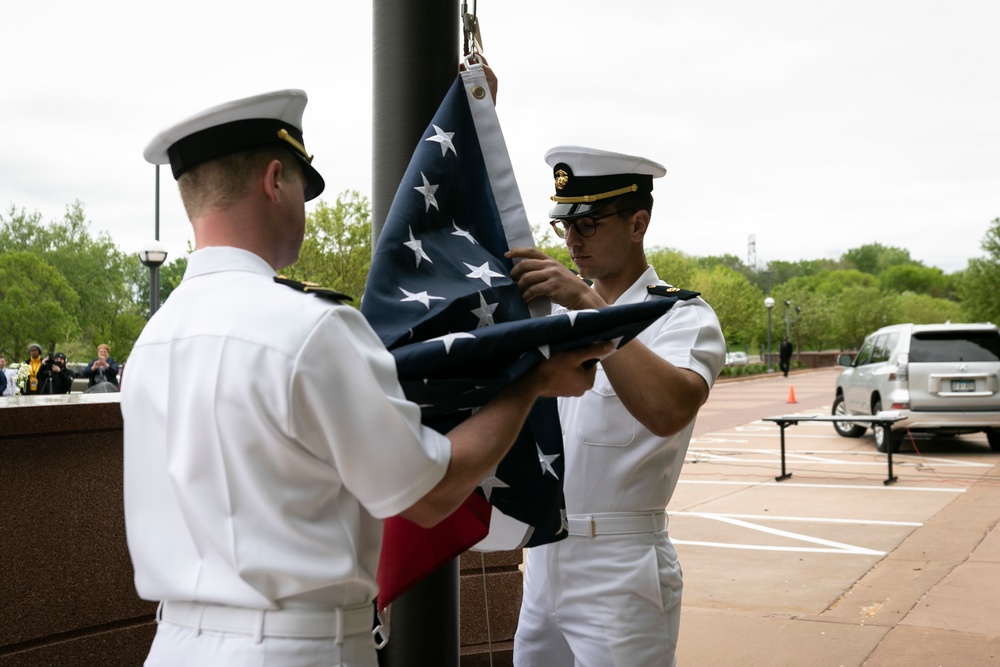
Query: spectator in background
(6, 378)
(102, 369)
(56, 378)
(34, 362)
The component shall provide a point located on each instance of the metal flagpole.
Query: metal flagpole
(415, 61)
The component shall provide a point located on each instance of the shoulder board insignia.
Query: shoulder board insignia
(313, 288)
(663, 290)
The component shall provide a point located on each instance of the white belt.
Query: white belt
(616, 523)
(298, 623)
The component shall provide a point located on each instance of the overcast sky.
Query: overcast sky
(814, 127)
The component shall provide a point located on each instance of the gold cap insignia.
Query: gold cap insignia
(562, 178)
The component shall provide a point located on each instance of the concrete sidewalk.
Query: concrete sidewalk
(833, 567)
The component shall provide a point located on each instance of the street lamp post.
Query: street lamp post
(769, 304)
(788, 321)
(153, 255)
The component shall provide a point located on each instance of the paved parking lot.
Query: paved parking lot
(832, 566)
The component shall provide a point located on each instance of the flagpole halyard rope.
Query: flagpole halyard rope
(486, 607)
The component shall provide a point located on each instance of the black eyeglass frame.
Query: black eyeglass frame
(561, 225)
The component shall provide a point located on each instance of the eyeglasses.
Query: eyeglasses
(586, 227)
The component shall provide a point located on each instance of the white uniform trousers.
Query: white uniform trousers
(176, 645)
(606, 601)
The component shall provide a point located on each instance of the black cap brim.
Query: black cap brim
(578, 209)
(314, 182)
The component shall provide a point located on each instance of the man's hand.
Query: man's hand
(537, 275)
(566, 375)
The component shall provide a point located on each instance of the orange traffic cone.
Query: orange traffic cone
(791, 395)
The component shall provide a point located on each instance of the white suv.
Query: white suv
(942, 378)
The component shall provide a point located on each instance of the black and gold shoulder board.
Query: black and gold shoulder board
(313, 288)
(663, 290)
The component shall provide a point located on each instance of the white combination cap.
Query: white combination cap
(270, 118)
(587, 179)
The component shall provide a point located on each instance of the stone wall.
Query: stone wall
(66, 594)
(66, 591)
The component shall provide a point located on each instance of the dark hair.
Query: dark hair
(635, 201)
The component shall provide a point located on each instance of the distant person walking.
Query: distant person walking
(785, 356)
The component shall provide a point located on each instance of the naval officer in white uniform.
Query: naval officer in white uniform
(266, 433)
(610, 594)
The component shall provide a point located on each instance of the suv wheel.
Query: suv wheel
(885, 437)
(849, 429)
(993, 437)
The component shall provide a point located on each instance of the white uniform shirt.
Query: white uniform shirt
(613, 462)
(10, 374)
(265, 436)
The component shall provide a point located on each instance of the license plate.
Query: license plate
(963, 385)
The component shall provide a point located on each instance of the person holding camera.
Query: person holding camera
(102, 369)
(55, 377)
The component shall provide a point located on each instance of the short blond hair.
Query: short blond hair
(105, 346)
(222, 182)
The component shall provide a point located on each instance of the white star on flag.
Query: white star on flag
(571, 314)
(546, 461)
(484, 312)
(461, 232)
(443, 138)
(490, 483)
(427, 190)
(418, 248)
(448, 339)
(422, 297)
(482, 272)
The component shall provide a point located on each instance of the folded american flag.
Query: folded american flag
(440, 296)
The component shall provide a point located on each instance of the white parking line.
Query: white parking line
(822, 486)
(815, 454)
(809, 519)
(757, 547)
(828, 546)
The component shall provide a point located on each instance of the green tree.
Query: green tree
(336, 251)
(93, 267)
(729, 261)
(37, 304)
(979, 287)
(674, 266)
(781, 271)
(736, 302)
(553, 246)
(858, 310)
(811, 313)
(926, 309)
(874, 258)
(833, 283)
(914, 278)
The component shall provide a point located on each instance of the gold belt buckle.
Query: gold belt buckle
(593, 527)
